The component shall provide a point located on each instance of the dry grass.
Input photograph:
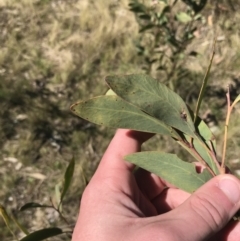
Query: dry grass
(52, 54)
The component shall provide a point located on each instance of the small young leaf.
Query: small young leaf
(172, 169)
(201, 147)
(42, 234)
(203, 130)
(32, 205)
(114, 112)
(154, 98)
(68, 177)
(183, 17)
(204, 152)
(236, 101)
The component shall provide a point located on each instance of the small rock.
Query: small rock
(18, 166)
(10, 159)
(235, 161)
(21, 117)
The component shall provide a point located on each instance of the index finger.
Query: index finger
(123, 143)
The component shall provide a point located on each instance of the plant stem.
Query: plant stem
(214, 157)
(57, 209)
(204, 163)
(62, 217)
(200, 159)
(229, 110)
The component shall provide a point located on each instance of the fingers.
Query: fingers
(209, 209)
(161, 194)
(123, 143)
(230, 233)
(150, 184)
(169, 199)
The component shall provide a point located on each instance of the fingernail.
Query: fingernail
(231, 189)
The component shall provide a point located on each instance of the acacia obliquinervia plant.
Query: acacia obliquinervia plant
(141, 103)
(166, 29)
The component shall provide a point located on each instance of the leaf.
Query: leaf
(114, 112)
(204, 130)
(6, 219)
(68, 177)
(154, 98)
(183, 17)
(236, 101)
(20, 226)
(4, 215)
(42, 234)
(172, 169)
(204, 152)
(205, 145)
(204, 84)
(32, 205)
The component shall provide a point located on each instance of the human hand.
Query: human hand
(121, 205)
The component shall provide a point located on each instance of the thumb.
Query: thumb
(209, 209)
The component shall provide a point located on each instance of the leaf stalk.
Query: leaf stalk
(200, 159)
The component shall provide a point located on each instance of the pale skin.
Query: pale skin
(121, 205)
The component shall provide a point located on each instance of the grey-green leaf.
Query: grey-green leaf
(42, 234)
(205, 153)
(203, 143)
(204, 130)
(172, 169)
(114, 112)
(154, 98)
(68, 177)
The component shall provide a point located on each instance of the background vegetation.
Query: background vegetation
(53, 53)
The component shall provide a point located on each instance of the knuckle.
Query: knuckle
(208, 211)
